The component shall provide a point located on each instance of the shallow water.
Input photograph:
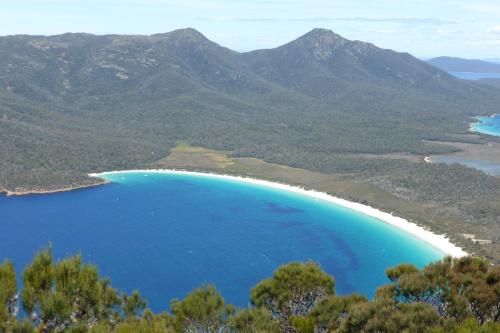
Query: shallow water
(488, 125)
(167, 234)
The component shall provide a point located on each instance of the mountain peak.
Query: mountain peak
(186, 34)
(321, 42)
(321, 33)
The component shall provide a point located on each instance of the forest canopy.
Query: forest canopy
(451, 295)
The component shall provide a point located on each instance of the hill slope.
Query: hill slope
(119, 101)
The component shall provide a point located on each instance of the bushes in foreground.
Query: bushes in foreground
(452, 295)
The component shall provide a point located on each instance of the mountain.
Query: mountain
(323, 63)
(493, 60)
(90, 102)
(451, 64)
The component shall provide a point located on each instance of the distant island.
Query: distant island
(451, 64)
(469, 69)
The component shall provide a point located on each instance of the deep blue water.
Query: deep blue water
(167, 234)
(489, 167)
(475, 76)
(488, 125)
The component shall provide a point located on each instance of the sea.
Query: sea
(475, 75)
(167, 234)
(487, 125)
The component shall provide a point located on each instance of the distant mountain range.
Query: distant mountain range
(494, 60)
(77, 103)
(451, 64)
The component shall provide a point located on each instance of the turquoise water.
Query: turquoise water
(488, 125)
(166, 234)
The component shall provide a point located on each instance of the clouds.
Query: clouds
(494, 30)
(266, 19)
(401, 20)
(395, 20)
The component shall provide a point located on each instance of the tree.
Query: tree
(67, 294)
(452, 295)
(456, 288)
(328, 313)
(292, 291)
(8, 293)
(254, 320)
(202, 311)
(133, 305)
(385, 315)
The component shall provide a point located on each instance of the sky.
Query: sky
(425, 28)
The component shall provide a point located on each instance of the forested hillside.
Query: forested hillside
(74, 104)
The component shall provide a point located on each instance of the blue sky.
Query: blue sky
(424, 28)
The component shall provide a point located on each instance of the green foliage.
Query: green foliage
(384, 315)
(203, 310)
(293, 289)
(457, 288)
(133, 305)
(253, 320)
(328, 313)
(69, 296)
(59, 295)
(471, 325)
(8, 293)
(302, 324)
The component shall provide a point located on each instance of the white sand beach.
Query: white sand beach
(440, 242)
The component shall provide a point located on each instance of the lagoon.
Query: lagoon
(487, 125)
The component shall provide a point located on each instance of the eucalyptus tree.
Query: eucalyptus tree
(329, 313)
(457, 288)
(202, 311)
(292, 291)
(388, 316)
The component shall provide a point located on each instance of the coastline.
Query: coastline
(440, 242)
(478, 121)
(62, 189)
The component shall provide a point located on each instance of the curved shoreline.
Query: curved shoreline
(479, 121)
(440, 242)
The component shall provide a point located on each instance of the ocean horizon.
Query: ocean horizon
(166, 234)
(474, 76)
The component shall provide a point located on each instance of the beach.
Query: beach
(440, 242)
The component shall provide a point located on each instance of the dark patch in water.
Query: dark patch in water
(280, 209)
(345, 249)
(334, 267)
